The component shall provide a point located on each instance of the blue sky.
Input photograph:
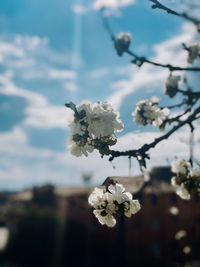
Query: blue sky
(56, 51)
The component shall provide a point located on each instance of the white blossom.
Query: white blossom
(180, 234)
(194, 52)
(103, 120)
(108, 219)
(97, 198)
(118, 194)
(148, 111)
(131, 207)
(174, 210)
(171, 85)
(187, 249)
(187, 179)
(180, 166)
(195, 173)
(78, 149)
(122, 42)
(114, 201)
(92, 125)
(183, 192)
(173, 181)
(77, 128)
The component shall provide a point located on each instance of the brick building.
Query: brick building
(148, 238)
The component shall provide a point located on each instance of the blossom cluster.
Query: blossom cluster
(187, 179)
(194, 52)
(93, 127)
(115, 201)
(148, 111)
(171, 85)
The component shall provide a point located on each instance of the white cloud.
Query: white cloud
(8, 49)
(99, 73)
(79, 9)
(47, 117)
(172, 50)
(32, 57)
(139, 79)
(61, 74)
(70, 86)
(23, 165)
(114, 4)
(30, 42)
(39, 112)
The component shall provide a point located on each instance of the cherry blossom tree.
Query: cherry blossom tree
(94, 126)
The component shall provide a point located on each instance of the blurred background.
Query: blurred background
(57, 51)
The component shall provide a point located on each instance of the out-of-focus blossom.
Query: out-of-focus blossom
(187, 179)
(171, 85)
(180, 234)
(174, 210)
(180, 166)
(193, 52)
(148, 111)
(187, 250)
(122, 42)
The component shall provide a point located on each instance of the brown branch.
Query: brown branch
(177, 105)
(141, 60)
(157, 4)
(146, 147)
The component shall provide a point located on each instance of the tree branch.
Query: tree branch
(142, 151)
(157, 4)
(139, 61)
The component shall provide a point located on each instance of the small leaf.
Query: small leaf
(71, 105)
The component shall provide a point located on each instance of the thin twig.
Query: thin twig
(142, 151)
(177, 105)
(141, 60)
(157, 4)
